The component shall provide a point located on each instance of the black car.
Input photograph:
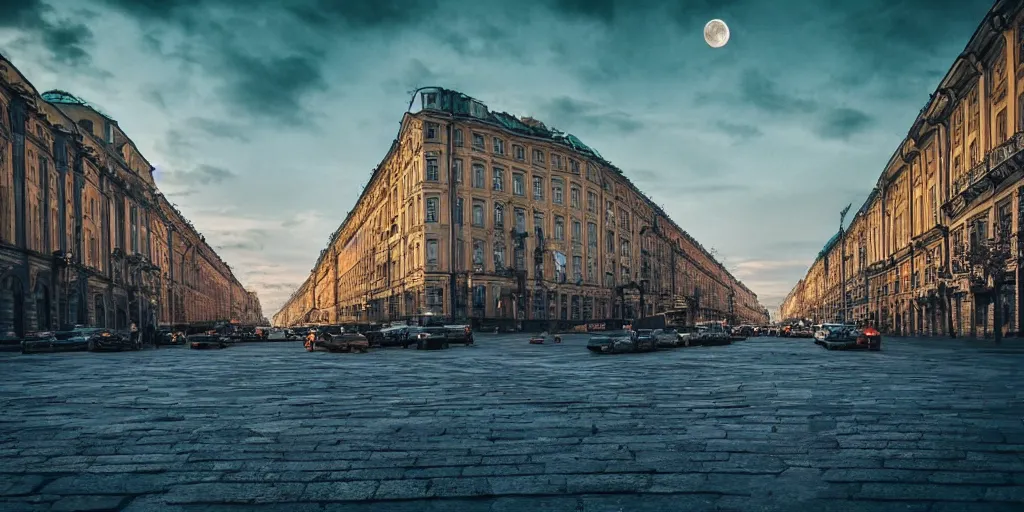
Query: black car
(459, 334)
(207, 341)
(430, 338)
(396, 336)
(167, 337)
(78, 339)
(35, 342)
(622, 341)
(340, 343)
(106, 340)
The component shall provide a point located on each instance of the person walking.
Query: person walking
(135, 336)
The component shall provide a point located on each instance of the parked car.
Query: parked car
(36, 342)
(706, 335)
(645, 337)
(835, 333)
(744, 331)
(869, 339)
(107, 340)
(166, 337)
(666, 338)
(621, 341)
(340, 343)
(207, 341)
(395, 336)
(459, 334)
(431, 338)
(375, 336)
(687, 336)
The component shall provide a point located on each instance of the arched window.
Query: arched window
(499, 256)
(499, 216)
(478, 252)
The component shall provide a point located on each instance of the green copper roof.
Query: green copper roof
(829, 245)
(57, 96)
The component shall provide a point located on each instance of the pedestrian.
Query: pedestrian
(134, 336)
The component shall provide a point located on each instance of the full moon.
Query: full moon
(716, 33)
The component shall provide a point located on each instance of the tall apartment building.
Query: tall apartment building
(480, 214)
(954, 182)
(85, 235)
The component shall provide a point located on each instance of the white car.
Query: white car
(834, 332)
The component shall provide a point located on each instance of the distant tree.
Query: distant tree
(986, 265)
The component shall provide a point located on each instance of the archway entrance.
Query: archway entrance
(81, 311)
(42, 307)
(121, 322)
(12, 305)
(101, 312)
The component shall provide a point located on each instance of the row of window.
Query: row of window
(498, 183)
(500, 261)
(432, 131)
(478, 219)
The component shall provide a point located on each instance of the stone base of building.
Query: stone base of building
(37, 293)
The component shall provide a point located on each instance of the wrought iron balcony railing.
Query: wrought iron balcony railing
(971, 177)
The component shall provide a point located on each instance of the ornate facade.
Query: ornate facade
(85, 235)
(954, 182)
(514, 221)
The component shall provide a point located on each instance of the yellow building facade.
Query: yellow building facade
(85, 235)
(952, 182)
(515, 222)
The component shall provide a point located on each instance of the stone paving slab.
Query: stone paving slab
(764, 424)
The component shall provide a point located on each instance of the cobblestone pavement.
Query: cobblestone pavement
(764, 424)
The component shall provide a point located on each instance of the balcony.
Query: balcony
(997, 165)
(972, 176)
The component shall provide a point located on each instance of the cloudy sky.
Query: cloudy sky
(265, 118)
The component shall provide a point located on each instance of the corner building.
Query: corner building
(481, 215)
(956, 179)
(85, 235)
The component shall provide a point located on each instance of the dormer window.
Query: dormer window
(477, 109)
(430, 100)
(86, 125)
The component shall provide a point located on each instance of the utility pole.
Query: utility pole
(842, 256)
